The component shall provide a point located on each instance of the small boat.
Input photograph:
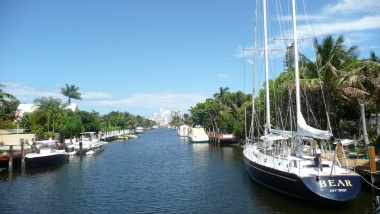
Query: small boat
(122, 137)
(96, 148)
(88, 139)
(132, 136)
(46, 156)
(139, 130)
(198, 135)
(183, 130)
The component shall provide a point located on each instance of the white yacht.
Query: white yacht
(198, 135)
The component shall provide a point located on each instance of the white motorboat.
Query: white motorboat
(198, 135)
(46, 155)
(139, 130)
(96, 148)
(183, 130)
(132, 136)
(87, 143)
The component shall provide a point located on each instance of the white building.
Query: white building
(175, 113)
(159, 119)
(29, 108)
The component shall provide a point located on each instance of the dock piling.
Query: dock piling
(10, 163)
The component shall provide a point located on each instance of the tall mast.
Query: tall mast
(296, 70)
(267, 125)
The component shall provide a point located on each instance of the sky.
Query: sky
(153, 56)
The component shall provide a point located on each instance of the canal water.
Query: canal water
(156, 173)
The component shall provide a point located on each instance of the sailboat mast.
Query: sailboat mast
(267, 125)
(296, 70)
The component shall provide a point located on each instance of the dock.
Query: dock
(13, 147)
(370, 178)
(220, 138)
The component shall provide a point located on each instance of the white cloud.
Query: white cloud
(95, 95)
(103, 102)
(352, 7)
(343, 26)
(27, 94)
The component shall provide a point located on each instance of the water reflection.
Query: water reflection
(158, 172)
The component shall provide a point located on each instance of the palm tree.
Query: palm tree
(49, 110)
(221, 96)
(361, 84)
(331, 57)
(376, 59)
(71, 92)
(4, 96)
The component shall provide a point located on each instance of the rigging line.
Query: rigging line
(309, 109)
(245, 38)
(254, 63)
(317, 66)
(280, 19)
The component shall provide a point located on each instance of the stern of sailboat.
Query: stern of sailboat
(336, 188)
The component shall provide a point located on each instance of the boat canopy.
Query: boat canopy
(272, 137)
(91, 133)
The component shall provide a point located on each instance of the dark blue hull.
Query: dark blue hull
(46, 160)
(314, 188)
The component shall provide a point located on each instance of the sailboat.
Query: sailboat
(281, 161)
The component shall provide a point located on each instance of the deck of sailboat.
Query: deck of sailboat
(306, 163)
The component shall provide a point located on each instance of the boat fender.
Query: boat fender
(317, 178)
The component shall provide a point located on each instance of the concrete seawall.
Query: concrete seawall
(14, 139)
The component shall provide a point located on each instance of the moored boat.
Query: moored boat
(96, 148)
(122, 137)
(183, 130)
(198, 135)
(132, 136)
(46, 156)
(88, 140)
(279, 161)
(139, 130)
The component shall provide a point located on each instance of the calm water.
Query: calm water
(156, 173)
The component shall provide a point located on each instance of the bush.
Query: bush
(7, 124)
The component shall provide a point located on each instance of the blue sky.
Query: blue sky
(147, 56)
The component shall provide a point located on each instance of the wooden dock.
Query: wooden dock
(13, 147)
(220, 138)
(370, 178)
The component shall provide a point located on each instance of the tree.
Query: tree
(4, 96)
(71, 92)
(48, 112)
(91, 121)
(331, 57)
(8, 105)
(361, 84)
(221, 96)
(71, 125)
